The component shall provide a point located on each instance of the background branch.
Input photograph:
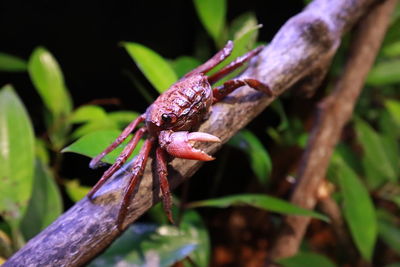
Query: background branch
(333, 114)
(330, 207)
(305, 44)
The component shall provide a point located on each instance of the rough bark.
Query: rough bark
(333, 114)
(303, 45)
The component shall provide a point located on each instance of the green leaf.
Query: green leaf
(48, 80)
(123, 118)
(376, 160)
(393, 34)
(358, 209)
(347, 154)
(388, 128)
(58, 131)
(184, 64)
(94, 126)
(212, 15)
(393, 107)
(94, 143)
(390, 234)
(384, 73)
(244, 41)
(95, 119)
(17, 150)
(395, 16)
(193, 225)
(391, 148)
(242, 44)
(373, 177)
(148, 245)
(156, 69)
(41, 151)
(75, 190)
(259, 158)
(302, 140)
(259, 201)
(45, 204)
(241, 25)
(392, 50)
(306, 259)
(396, 200)
(278, 108)
(157, 213)
(293, 135)
(388, 227)
(12, 63)
(88, 113)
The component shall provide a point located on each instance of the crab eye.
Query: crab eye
(168, 118)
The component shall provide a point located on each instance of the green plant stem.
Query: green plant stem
(140, 87)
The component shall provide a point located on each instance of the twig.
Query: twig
(331, 208)
(333, 114)
(304, 44)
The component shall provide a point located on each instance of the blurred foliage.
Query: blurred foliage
(358, 209)
(258, 156)
(365, 168)
(258, 201)
(306, 259)
(212, 14)
(12, 63)
(149, 245)
(154, 67)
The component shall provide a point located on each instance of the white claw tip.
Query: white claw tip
(203, 137)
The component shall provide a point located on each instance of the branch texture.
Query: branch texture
(304, 46)
(333, 114)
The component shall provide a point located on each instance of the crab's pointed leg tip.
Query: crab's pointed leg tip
(93, 164)
(209, 158)
(203, 137)
(170, 219)
(96, 163)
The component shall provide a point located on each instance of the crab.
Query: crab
(170, 123)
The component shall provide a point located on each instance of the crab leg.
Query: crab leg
(225, 89)
(234, 65)
(164, 185)
(136, 173)
(214, 61)
(125, 154)
(179, 144)
(125, 133)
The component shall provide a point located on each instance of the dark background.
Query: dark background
(84, 37)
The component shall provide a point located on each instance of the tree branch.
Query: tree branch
(333, 114)
(306, 43)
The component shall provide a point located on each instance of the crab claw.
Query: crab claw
(180, 144)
